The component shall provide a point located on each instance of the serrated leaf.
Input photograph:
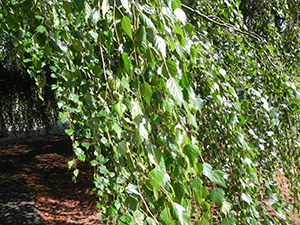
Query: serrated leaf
(76, 172)
(179, 190)
(126, 26)
(41, 29)
(147, 22)
(94, 163)
(141, 34)
(197, 103)
(117, 129)
(192, 120)
(79, 3)
(127, 63)
(247, 198)
(226, 207)
(105, 7)
(178, 212)
(138, 217)
(146, 92)
(228, 221)
(192, 152)
(207, 170)
(150, 221)
(69, 131)
(124, 220)
(156, 178)
(120, 108)
(95, 17)
(86, 145)
(175, 90)
(132, 190)
(122, 147)
(205, 206)
(168, 105)
(160, 45)
(186, 79)
(217, 176)
(217, 195)
(62, 117)
(203, 192)
(125, 83)
(71, 163)
(196, 183)
(169, 69)
(135, 109)
(165, 216)
(222, 72)
(180, 15)
(125, 4)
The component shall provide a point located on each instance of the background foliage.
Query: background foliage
(24, 106)
(185, 109)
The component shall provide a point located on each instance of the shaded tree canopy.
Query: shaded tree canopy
(23, 104)
(186, 109)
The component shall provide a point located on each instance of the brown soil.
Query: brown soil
(43, 163)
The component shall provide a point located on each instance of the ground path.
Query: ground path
(36, 186)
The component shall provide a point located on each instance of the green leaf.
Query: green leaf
(41, 29)
(120, 108)
(69, 131)
(205, 206)
(105, 7)
(126, 26)
(226, 207)
(135, 109)
(86, 145)
(122, 147)
(177, 211)
(228, 221)
(207, 170)
(179, 190)
(165, 216)
(160, 45)
(180, 15)
(80, 154)
(186, 79)
(156, 178)
(71, 163)
(217, 176)
(150, 221)
(141, 34)
(146, 92)
(94, 163)
(196, 183)
(147, 22)
(138, 217)
(125, 84)
(127, 63)
(192, 152)
(63, 117)
(197, 103)
(125, 4)
(169, 69)
(217, 195)
(79, 3)
(175, 90)
(124, 220)
(95, 17)
(247, 198)
(76, 172)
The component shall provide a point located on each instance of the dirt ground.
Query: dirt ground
(43, 163)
